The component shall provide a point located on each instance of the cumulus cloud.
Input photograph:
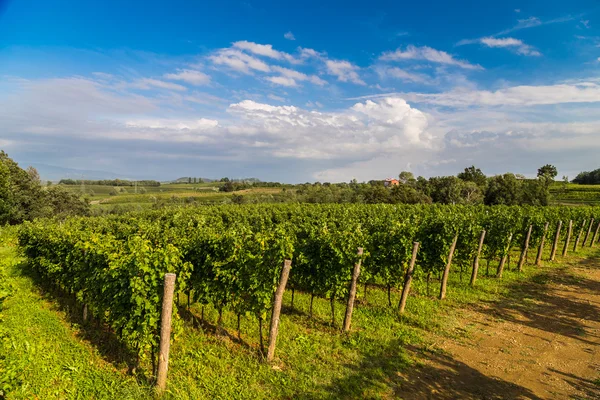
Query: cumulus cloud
(524, 95)
(299, 76)
(239, 61)
(364, 130)
(345, 71)
(282, 80)
(265, 50)
(428, 54)
(289, 36)
(192, 77)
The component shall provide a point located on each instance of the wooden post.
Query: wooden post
(593, 242)
(285, 273)
(569, 233)
(503, 259)
(525, 248)
(538, 260)
(587, 235)
(165, 332)
(85, 312)
(447, 269)
(352, 294)
(556, 239)
(476, 260)
(579, 236)
(408, 279)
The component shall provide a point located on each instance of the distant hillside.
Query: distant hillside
(54, 173)
(186, 179)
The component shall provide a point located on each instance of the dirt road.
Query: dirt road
(543, 342)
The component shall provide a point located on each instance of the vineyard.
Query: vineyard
(232, 258)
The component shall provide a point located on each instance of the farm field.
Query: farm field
(172, 194)
(574, 194)
(216, 352)
(419, 356)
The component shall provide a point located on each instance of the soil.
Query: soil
(541, 342)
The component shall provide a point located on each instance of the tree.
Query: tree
(588, 178)
(472, 174)
(406, 177)
(502, 189)
(535, 192)
(445, 189)
(34, 175)
(548, 171)
(22, 197)
(405, 194)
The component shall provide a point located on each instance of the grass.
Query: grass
(59, 357)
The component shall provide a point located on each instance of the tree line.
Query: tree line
(471, 186)
(22, 196)
(108, 182)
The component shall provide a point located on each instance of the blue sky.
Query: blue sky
(300, 92)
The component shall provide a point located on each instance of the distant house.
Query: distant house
(391, 182)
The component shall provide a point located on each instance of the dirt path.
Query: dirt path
(543, 342)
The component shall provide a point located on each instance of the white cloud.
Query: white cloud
(265, 50)
(583, 92)
(533, 22)
(239, 61)
(428, 54)
(192, 77)
(178, 124)
(282, 80)
(365, 130)
(403, 75)
(344, 70)
(310, 53)
(149, 83)
(299, 76)
(518, 45)
(289, 36)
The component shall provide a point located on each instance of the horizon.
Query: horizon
(300, 93)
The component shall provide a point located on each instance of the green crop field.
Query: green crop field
(575, 194)
(228, 262)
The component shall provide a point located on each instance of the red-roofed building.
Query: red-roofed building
(391, 182)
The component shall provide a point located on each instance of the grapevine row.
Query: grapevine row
(231, 256)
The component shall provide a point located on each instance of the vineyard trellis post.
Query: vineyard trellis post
(568, 239)
(447, 269)
(579, 235)
(525, 248)
(587, 235)
(593, 242)
(165, 332)
(408, 279)
(556, 239)
(503, 259)
(278, 299)
(538, 259)
(476, 260)
(352, 292)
